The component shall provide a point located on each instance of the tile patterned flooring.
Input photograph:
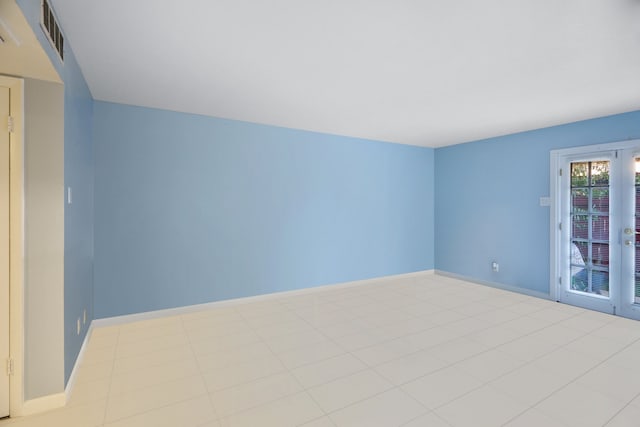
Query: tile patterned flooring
(421, 351)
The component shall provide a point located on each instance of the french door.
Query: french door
(596, 226)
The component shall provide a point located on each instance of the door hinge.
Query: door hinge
(9, 367)
(560, 171)
(560, 280)
(560, 226)
(10, 124)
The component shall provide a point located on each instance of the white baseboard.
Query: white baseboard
(496, 285)
(41, 404)
(57, 400)
(74, 372)
(128, 318)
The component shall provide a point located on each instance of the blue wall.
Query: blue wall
(78, 217)
(191, 209)
(78, 174)
(487, 200)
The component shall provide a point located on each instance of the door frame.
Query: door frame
(16, 243)
(555, 213)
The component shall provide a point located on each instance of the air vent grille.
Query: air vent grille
(51, 29)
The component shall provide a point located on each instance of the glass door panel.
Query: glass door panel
(586, 188)
(589, 253)
(629, 233)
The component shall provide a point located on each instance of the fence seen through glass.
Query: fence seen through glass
(590, 227)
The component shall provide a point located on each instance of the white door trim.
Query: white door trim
(555, 215)
(16, 246)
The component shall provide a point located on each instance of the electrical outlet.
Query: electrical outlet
(495, 267)
(84, 316)
(78, 326)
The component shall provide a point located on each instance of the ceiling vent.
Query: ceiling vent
(51, 29)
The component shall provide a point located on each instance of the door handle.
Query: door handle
(628, 242)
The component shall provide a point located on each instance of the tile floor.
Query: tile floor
(422, 351)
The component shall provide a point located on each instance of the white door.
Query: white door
(597, 265)
(630, 233)
(4, 250)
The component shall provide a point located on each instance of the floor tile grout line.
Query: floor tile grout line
(629, 403)
(302, 387)
(430, 411)
(316, 419)
(157, 364)
(288, 371)
(576, 379)
(449, 341)
(306, 390)
(313, 399)
(157, 408)
(201, 374)
(486, 383)
(267, 402)
(146, 386)
(106, 405)
(409, 395)
(138, 414)
(393, 387)
(399, 385)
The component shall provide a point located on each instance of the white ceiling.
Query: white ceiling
(430, 72)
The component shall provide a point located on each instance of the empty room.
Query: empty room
(235, 213)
